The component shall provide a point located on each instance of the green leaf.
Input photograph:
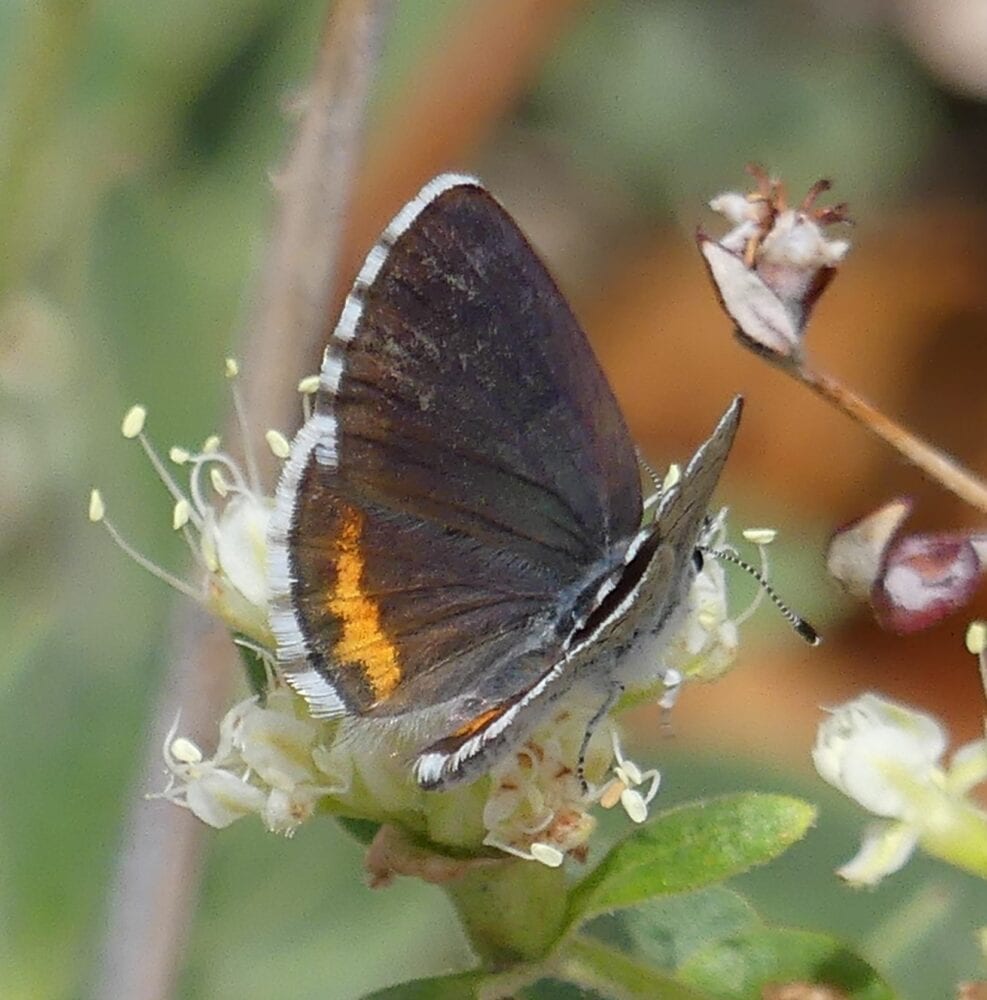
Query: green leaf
(666, 931)
(594, 965)
(461, 986)
(691, 847)
(741, 967)
(362, 831)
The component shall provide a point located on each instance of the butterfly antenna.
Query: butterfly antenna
(801, 626)
(656, 481)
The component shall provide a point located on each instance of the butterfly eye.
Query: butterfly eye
(697, 560)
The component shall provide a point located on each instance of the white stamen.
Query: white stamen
(211, 444)
(97, 509)
(760, 536)
(178, 455)
(180, 585)
(240, 411)
(164, 473)
(672, 477)
(629, 777)
(185, 751)
(278, 444)
(181, 514)
(133, 421)
(309, 385)
(762, 551)
(976, 637)
(634, 805)
(218, 480)
(628, 772)
(548, 855)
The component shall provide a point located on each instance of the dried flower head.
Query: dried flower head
(771, 267)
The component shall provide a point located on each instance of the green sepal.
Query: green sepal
(362, 831)
(256, 671)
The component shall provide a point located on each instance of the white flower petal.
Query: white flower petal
(885, 849)
(220, 798)
(278, 746)
(759, 314)
(241, 546)
(968, 767)
(875, 751)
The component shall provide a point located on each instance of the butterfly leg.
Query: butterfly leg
(613, 694)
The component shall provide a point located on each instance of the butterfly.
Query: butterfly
(459, 535)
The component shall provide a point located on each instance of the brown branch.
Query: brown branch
(156, 884)
(937, 465)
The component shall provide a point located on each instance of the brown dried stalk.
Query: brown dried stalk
(156, 884)
(928, 459)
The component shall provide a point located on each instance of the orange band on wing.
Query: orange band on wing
(480, 722)
(363, 641)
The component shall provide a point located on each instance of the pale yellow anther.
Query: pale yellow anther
(181, 514)
(760, 536)
(612, 793)
(976, 637)
(673, 475)
(219, 483)
(185, 751)
(178, 455)
(278, 444)
(97, 509)
(211, 444)
(309, 385)
(232, 368)
(133, 421)
(548, 855)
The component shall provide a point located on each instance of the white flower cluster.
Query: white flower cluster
(269, 762)
(274, 761)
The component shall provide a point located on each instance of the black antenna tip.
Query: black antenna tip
(807, 632)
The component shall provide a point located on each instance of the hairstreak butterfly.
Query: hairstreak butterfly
(459, 535)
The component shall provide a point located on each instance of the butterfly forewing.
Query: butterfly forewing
(466, 471)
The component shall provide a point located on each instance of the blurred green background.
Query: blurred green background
(136, 144)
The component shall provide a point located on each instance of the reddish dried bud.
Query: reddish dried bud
(927, 578)
(911, 582)
(771, 268)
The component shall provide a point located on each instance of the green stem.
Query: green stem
(512, 912)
